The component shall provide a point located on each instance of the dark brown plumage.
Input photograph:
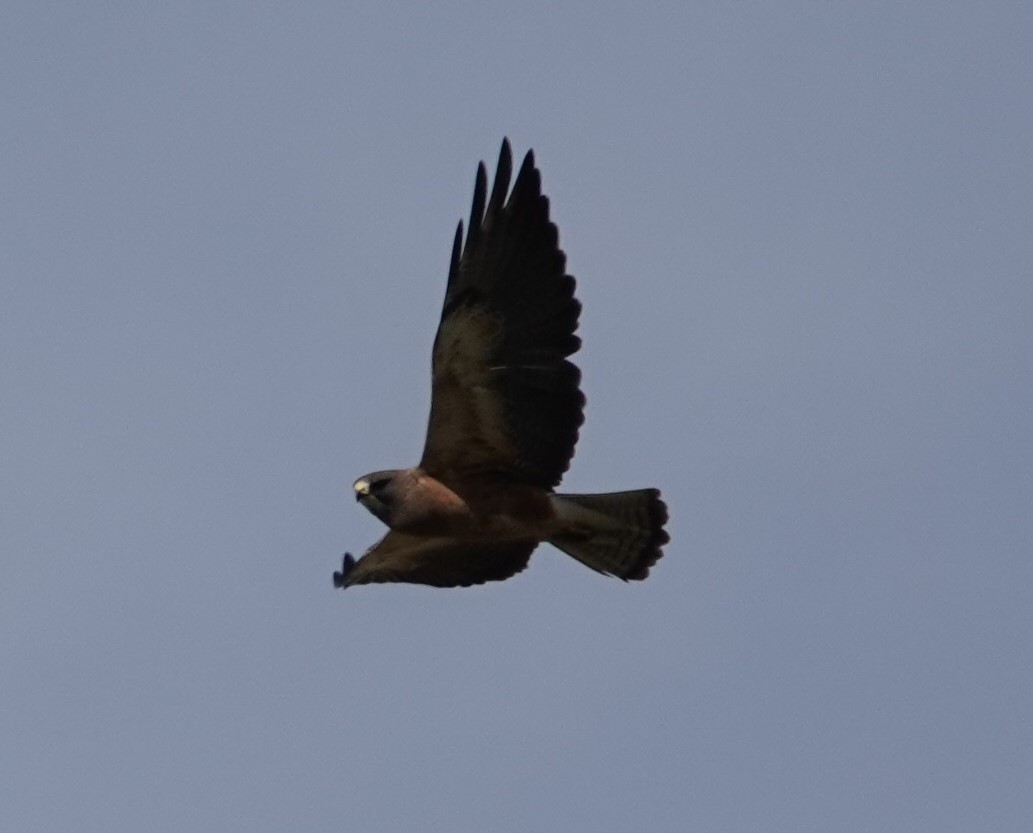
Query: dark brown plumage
(506, 406)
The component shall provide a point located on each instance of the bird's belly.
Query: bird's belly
(480, 510)
(511, 514)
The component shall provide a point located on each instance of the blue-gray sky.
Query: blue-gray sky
(802, 234)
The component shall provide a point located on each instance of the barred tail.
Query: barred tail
(620, 533)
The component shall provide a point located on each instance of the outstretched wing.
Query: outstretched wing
(504, 397)
(439, 562)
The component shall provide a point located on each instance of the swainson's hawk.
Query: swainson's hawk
(504, 417)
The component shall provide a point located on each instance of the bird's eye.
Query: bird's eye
(379, 485)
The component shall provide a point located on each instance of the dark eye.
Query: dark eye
(378, 486)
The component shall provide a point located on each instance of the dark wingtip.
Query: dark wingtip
(506, 157)
(528, 181)
(503, 174)
(457, 253)
(528, 162)
(346, 567)
(480, 194)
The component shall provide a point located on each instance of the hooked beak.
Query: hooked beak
(361, 489)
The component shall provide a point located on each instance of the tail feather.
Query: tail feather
(619, 533)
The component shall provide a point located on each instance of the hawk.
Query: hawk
(506, 407)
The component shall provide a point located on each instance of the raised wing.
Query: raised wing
(504, 397)
(439, 562)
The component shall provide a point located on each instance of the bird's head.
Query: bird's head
(378, 492)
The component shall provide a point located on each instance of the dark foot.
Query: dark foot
(346, 567)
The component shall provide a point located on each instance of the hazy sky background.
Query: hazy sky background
(802, 235)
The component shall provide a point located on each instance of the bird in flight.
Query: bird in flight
(506, 406)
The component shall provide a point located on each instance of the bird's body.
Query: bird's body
(475, 510)
(505, 411)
